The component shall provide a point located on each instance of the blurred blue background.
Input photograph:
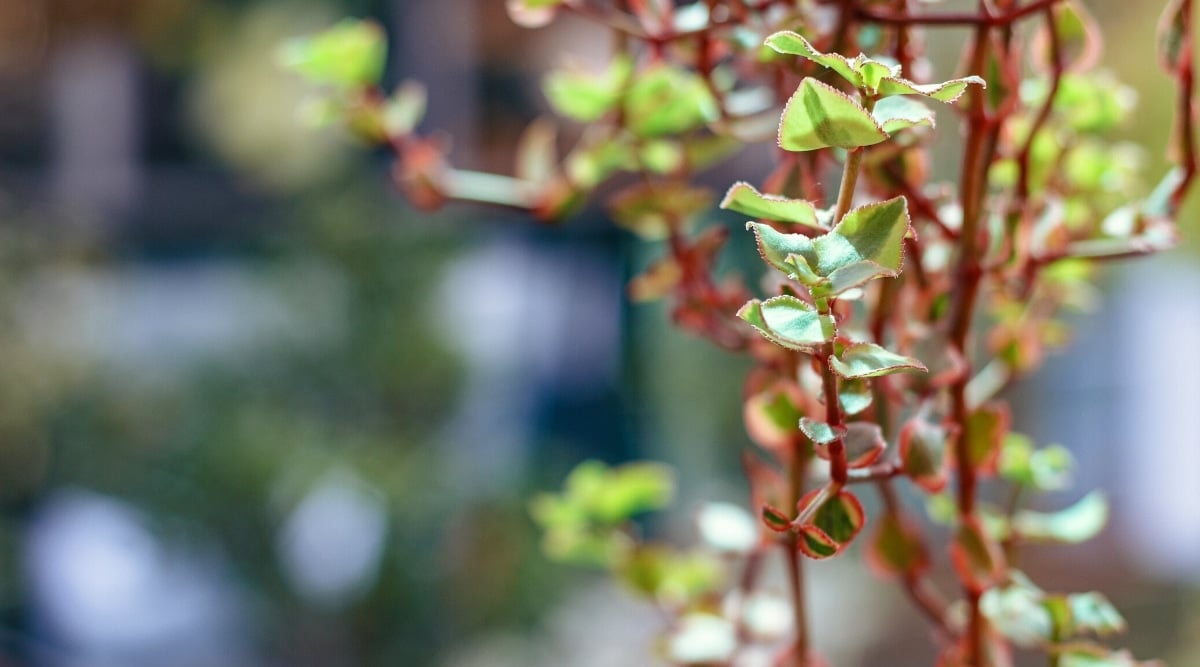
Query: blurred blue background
(254, 410)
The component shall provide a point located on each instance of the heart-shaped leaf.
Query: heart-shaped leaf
(874, 232)
(821, 116)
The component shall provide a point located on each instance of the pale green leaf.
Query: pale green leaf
(1078, 523)
(775, 247)
(786, 321)
(899, 112)
(404, 109)
(947, 91)
(666, 100)
(587, 96)
(1018, 613)
(864, 360)
(745, 199)
(351, 53)
(790, 43)
(819, 432)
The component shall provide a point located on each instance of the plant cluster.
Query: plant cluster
(893, 312)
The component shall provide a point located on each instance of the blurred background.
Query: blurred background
(241, 423)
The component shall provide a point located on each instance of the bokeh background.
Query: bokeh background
(254, 410)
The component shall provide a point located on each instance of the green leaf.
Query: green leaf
(1173, 31)
(868, 360)
(775, 519)
(661, 156)
(985, 431)
(1079, 40)
(814, 543)
(586, 96)
(976, 556)
(896, 548)
(821, 116)
(350, 54)
(743, 198)
(867, 244)
(833, 526)
(674, 579)
(775, 247)
(787, 321)
(651, 210)
(598, 158)
(899, 113)
(874, 72)
(947, 91)
(1078, 523)
(1046, 469)
(613, 495)
(790, 43)
(923, 454)
(841, 517)
(587, 547)
(771, 415)
(667, 100)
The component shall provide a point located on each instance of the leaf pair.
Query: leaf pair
(833, 526)
(821, 116)
(867, 244)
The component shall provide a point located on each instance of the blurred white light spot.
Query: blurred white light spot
(102, 582)
(702, 639)
(727, 527)
(332, 543)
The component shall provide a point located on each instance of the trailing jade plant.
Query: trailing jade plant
(892, 310)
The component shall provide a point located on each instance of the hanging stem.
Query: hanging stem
(795, 563)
